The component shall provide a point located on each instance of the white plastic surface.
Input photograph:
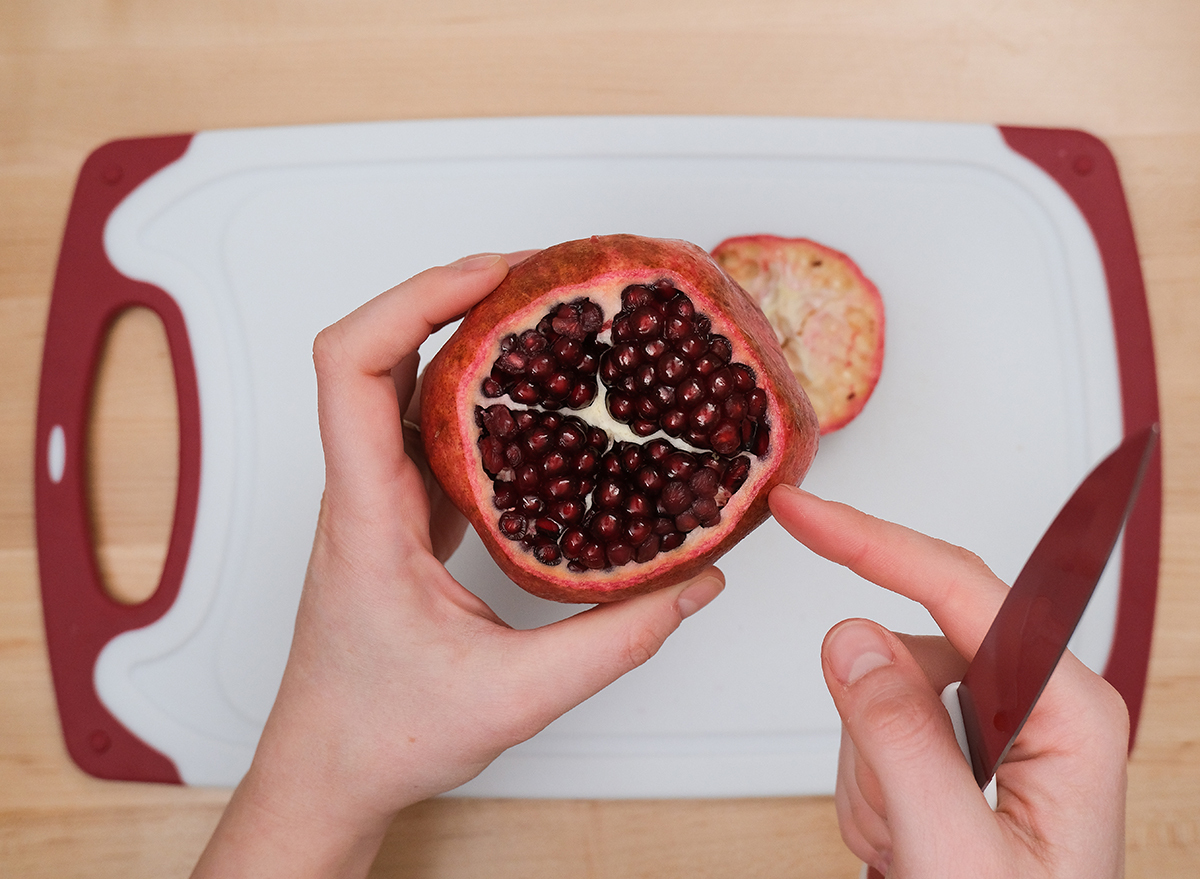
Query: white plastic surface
(999, 392)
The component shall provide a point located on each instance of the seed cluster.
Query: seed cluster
(561, 487)
(645, 498)
(667, 370)
(553, 365)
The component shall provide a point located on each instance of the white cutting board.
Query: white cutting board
(1000, 389)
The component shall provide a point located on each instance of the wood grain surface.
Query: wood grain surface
(74, 74)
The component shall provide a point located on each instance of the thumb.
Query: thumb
(908, 769)
(577, 657)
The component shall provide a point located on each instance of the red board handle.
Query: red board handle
(1086, 169)
(80, 615)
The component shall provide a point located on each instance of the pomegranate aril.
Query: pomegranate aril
(524, 392)
(559, 489)
(704, 482)
(547, 526)
(492, 450)
(512, 455)
(762, 441)
(677, 329)
(735, 407)
(593, 556)
(619, 554)
(705, 415)
(675, 498)
(646, 549)
(726, 439)
(568, 352)
(532, 341)
(707, 511)
(646, 408)
(721, 348)
(645, 322)
(690, 392)
(513, 525)
(692, 347)
(569, 512)
(671, 369)
(558, 386)
(513, 362)
(638, 531)
(720, 384)
(547, 552)
(572, 543)
(650, 478)
(581, 394)
(679, 305)
(639, 505)
(620, 407)
(610, 494)
(679, 465)
(736, 474)
(506, 495)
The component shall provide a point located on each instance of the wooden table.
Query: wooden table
(75, 74)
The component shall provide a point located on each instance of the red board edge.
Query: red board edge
(80, 617)
(1086, 169)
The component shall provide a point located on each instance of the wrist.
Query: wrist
(282, 822)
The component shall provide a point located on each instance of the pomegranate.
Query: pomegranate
(827, 317)
(611, 418)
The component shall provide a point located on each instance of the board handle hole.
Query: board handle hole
(133, 456)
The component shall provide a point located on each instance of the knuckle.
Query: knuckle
(327, 350)
(642, 643)
(900, 720)
(1111, 723)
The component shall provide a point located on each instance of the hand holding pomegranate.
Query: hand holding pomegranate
(402, 684)
(907, 801)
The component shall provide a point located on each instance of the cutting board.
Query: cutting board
(1018, 354)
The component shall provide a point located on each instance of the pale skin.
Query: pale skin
(401, 684)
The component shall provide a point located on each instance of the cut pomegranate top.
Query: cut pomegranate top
(611, 435)
(828, 317)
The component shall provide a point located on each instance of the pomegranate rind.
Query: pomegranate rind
(828, 317)
(600, 268)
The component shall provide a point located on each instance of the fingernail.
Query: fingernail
(478, 262)
(856, 647)
(698, 595)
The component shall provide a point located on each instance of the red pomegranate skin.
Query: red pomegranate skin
(451, 393)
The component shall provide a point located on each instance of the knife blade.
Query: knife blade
(1031, 630)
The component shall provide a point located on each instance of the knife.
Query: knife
(990, 705)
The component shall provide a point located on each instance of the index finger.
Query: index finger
(356, 396)
(954, 585)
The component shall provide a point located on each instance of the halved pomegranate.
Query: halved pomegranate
(611, 418)
(827, 316)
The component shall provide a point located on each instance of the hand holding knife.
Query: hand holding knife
(1014, 662)
(892, 779)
